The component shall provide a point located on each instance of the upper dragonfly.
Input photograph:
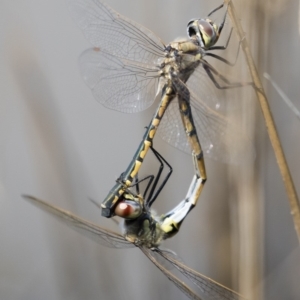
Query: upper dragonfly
(129, 66)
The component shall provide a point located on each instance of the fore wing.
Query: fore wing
(219, 138)
(100, 235)
(208, 286)
(179, 283)
(108, 30)
(118, 83)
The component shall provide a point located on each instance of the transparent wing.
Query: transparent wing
(114, 33)
(162, 261)
(117, 83)
(219, 139)
(179, 283)
(100, 235)
(208, 286)
(204, 88)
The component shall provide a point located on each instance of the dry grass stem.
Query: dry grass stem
(279, 154)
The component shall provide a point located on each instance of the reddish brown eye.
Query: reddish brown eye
(206, 27)
(123, 210)
(128, 209)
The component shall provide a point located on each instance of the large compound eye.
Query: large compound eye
(128, 209)
(206, 28)
(208, 32)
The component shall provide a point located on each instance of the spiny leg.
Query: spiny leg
(227, 62)
(212, 72)
(223, 59)
(137, 182)
(215, 9)
(152, 196)
(224, 18)
(222, 47)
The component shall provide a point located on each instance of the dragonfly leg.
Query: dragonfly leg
(215, 9)
(223, 22)
(137, 182)
(224, 18)
(152, 196)
(222, 47)
(212, 72)
(153, 184)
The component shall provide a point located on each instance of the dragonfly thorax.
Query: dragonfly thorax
(144, 230)
(141, 227)
(147, 228)
(181, 57)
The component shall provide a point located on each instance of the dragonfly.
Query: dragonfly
(145, 230)
(129, 67)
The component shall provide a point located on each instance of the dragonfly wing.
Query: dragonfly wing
(219, 138)
(208, 286)
(162, 261)
(114, 33)
(100, 235)
(179, 283)
(117, 83)
(171, 128)
(222, 139)
(203, 87)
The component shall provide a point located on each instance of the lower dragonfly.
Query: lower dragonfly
(129, 66)
(144, 230)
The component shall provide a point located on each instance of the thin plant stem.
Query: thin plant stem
(271, 128)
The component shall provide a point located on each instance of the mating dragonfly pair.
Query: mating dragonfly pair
(127, 68)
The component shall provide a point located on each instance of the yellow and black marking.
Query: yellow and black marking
(191, 132)
(127, 177)
(188, 123)
(173, 87)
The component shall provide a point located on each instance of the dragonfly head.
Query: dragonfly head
(205, 31)
(130, 207)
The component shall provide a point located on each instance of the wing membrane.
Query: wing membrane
(102, 236)
(207, 285)
(114, 33)
(203, 87)
(180, 284)
(219, 138)
(117, 83)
